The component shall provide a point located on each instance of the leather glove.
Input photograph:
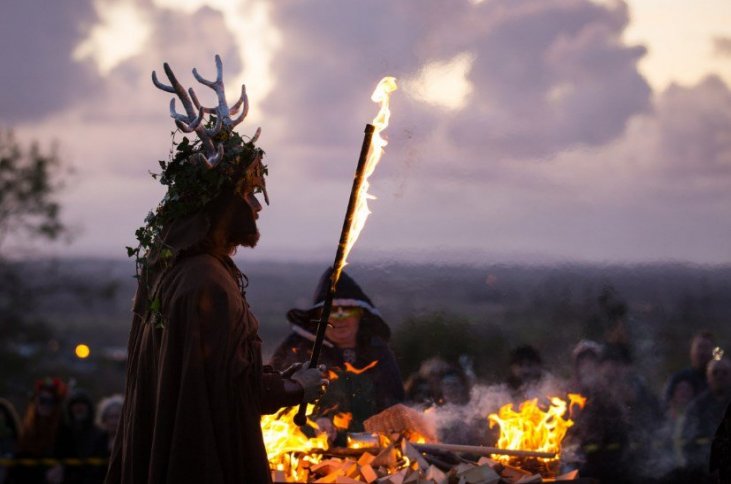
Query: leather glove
(312, 382)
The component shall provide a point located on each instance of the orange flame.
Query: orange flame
(357, 371)
(342, 420)
(284, 442)
(381, 95)
(531, 428)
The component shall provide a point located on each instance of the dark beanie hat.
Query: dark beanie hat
(525, 354)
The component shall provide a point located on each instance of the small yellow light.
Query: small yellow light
(82, 351)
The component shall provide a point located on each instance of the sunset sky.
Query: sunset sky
(523, 130)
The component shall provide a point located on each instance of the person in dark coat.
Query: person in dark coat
(720, 463)
(703, 417)
(366, 376)
(39, 433)
(9, 433)
(701, 353)
(80, 438)
(526, 370)
(601, 429)
(109, 411)
(196, 386)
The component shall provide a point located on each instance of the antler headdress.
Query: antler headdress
(193, 120)
(198, 171)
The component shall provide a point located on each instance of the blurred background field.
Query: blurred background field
(448, 310)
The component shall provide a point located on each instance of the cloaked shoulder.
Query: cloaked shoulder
(203, 271)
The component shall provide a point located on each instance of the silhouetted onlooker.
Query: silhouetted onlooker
(720, 464)
(601, 429)
(701, 352)
(670, 434)
(437, 383)
(526, 369)
(80, 438)
(704, 414)
(109, 411)
(586, 356)
(641, 408)
(9, 433)
(39, 433)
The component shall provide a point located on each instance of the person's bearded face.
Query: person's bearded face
(242, 220)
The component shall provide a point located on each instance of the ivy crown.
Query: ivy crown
(192, 184)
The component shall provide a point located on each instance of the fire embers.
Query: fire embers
(292, 450)
(535, 429)
(399, 448)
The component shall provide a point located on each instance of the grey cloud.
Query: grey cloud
(36, 41)
(333, 54)
(694, 131)
(188, 41)
(722, 46)
(551, 75)
(524, 51)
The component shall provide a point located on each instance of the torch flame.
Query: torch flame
(531, 428)
(381, 95)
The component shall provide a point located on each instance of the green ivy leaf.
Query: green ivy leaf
(155, 305)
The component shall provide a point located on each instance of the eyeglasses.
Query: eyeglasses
(340, 313)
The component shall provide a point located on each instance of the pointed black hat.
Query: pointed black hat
(348, 293)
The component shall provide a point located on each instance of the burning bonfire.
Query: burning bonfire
(399, 448)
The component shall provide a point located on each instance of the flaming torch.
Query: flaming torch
(357, 212)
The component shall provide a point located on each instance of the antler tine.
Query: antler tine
(243, 99)
(160, 85)
(185, 124)
(217, 85)
(256, 135)
(197, 104)
(216, 159)
(191, 122)
(212, 161)
(219, 75)
(180, 91)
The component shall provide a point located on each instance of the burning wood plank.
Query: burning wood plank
(485, 451)
(400, 418)
(389, 454)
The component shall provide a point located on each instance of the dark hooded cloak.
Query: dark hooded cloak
(196, 387)
(361, 394)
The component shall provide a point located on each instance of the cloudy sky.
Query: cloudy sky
(534, 130)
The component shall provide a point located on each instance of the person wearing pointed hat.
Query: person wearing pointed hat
(367, 378)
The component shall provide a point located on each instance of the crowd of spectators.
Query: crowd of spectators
(625, 433)
(63, 436)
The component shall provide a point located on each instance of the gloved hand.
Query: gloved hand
(289, 371)
(312, 382)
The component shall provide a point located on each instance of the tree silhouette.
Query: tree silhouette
(29, 184)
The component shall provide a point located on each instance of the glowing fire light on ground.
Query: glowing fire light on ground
(288, 447)
(342, 420)
(381, 95)
(532, 428)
